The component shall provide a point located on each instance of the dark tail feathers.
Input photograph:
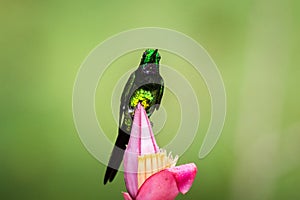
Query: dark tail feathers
(116, 156)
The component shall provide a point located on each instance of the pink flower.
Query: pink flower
(149, 172)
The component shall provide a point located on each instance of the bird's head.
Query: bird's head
(150, 61)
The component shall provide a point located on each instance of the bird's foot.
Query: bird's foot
(151, 124)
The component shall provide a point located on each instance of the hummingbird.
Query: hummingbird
(145, 86)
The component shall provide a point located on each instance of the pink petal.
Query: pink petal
(126, 196)
(184, 175)
(161, 185)
(167, 183)
(147, 141)
(141, 142)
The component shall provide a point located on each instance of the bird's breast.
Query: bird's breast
(145, 97)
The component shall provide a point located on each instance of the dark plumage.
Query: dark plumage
(145, 86)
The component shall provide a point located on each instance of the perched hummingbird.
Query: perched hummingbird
(144, 86)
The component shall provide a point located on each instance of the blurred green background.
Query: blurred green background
(254, 43)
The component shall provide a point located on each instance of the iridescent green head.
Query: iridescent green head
(150, 62)
(150, 56)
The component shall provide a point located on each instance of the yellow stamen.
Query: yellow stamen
(152, 163)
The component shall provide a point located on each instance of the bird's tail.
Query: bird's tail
(116, 156)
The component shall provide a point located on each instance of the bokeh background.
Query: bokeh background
(254, 43)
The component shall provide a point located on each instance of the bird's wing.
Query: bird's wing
(125, 95)
(122, 139)
(160, 94)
